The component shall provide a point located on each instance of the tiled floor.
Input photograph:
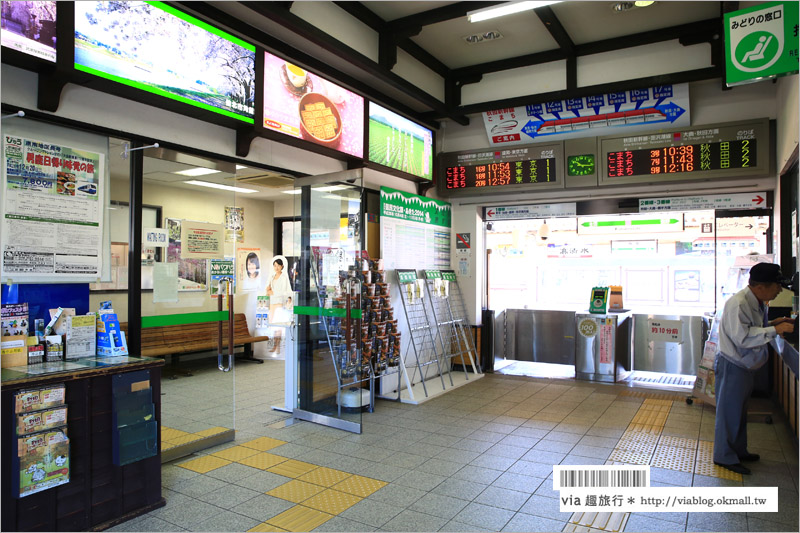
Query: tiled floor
(476, 459)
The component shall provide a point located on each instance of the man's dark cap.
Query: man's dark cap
(766, 273)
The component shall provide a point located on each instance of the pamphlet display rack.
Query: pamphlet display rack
(343, 335)
(421, 338)
(447, 331)
(458, 313)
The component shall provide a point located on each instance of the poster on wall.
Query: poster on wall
(234, 224)
(192, 273)
(221, 269)
(30, 27)
(201, 240)
(650, 108)
(249, 270)
(415, 231)
(307, 106)
(53, 199)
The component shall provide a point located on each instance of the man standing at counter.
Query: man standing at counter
(744, 333)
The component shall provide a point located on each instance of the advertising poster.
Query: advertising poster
(396, 142)
(249, 269)
(192, 273)
(30, 27)
(221, 269)
(306, 106)
(53, 199)
(200, 240)
(415, 231)
(645, 109)
(234, 224)
(134, 43)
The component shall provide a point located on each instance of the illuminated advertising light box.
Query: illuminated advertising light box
(399, 143)
(306, 106)
(30, 28)
(158, 49)
(714, 151)
(511, 170)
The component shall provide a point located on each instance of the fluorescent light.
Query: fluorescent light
(505, 9)
(240, 167)
(644, 3)
(197, 171)
(293, 191)
(218, 186)
(329, 188)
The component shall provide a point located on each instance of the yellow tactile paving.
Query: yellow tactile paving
(601, 521)
(640, 436)
(292, 468)
(712, 470)
(575, 528)
(211, 431)
(673, 458)
(634, 445)
(263, 444)
(235, 453)
(300, 518)
(204, 464)
(263, 460)
(332, 501)
(628, 457)
(653, 418)
(327, 477)
(184, 439)
(166, 446)
(666, 402)
(296, 491)
(677, 442)
(360, 485)
(645, 428)
(264, 527)
(168, 433)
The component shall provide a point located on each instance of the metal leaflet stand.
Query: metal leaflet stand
(289, 369)
(445, 328)
(421, 339)
(344, 348)
(458, 314)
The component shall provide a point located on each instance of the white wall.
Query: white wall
(787, 109)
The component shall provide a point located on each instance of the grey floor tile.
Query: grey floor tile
(573, 459)
(541, 456)
(458, 456)
(528, 468)
(229, 496)
(477, 474)
(554, 446)
(472, 445)
(494, 462)
(602, 442)
(398, 495)
(520, 441)
(338, 523)
(540, 424)
(638, 523)
(262, 481)
(233, 473)
(441, 467)
(198, 486)
(146, 523)
(529, 432)
(488, 436)
(708, 481)
(508, 499)
(523, 523)
(518, 482)
(454, 526)
(262, 507)
(606, 432)
(439, 505)
(678, 518)
(460, 488)
(504, 450)
(484, 516)
(758, 524)
(420, 480)
(717, 522)
(673, 477)
(586, 450)
(226, 521)
(787, 509)
(380, 471)
(405, 460)
(545, 507)
(414, 521)
(186, 513)
(372, 513)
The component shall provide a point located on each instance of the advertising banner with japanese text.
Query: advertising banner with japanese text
(53, 199)
(650, 108)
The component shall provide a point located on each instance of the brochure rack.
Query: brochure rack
(342, 334)
(458, 312)
(421, 336)
(446, 330)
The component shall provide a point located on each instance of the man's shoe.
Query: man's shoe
(749, 457)
(739, 468)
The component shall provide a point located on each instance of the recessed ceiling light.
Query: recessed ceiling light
(197, 171)
(240, 167)
(219, 186)
(490, 35)
(293, 191)
(508, 8)
(644, 3)
(329, 188)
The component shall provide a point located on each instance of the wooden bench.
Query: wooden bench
(162, 341)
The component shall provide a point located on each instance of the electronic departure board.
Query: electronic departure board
(713, 151)
(480, 172)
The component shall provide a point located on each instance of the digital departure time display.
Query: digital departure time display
(737, 154)
(525, 172)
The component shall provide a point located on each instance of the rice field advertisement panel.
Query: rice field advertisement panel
(399, 143)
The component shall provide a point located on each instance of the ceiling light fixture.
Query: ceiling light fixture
(490, 35)
(644, 3)
(293, 191)
(219, 186)
(197, 171)
(505, 9)
(329, 188)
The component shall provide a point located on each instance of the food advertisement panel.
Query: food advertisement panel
(306, 106)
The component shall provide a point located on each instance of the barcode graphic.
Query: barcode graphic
(603, 478)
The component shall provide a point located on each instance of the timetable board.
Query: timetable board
(704, 152)
(502, 171)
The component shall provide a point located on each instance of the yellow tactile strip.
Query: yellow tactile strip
(299, 518)
(205, 463)
(265, 527)
(360, 485)
(264, 444)
(673, 458)
(600, 521)
(332, 501)
(292, 468)
(326, 477)
(677, 442)
(171, 437)
(212, 431)
(170, 433)
(262, 460)
(628, 457)
(296, 491)
(575, 528)
(235, 453)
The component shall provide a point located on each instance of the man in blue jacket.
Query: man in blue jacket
(744, 333)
